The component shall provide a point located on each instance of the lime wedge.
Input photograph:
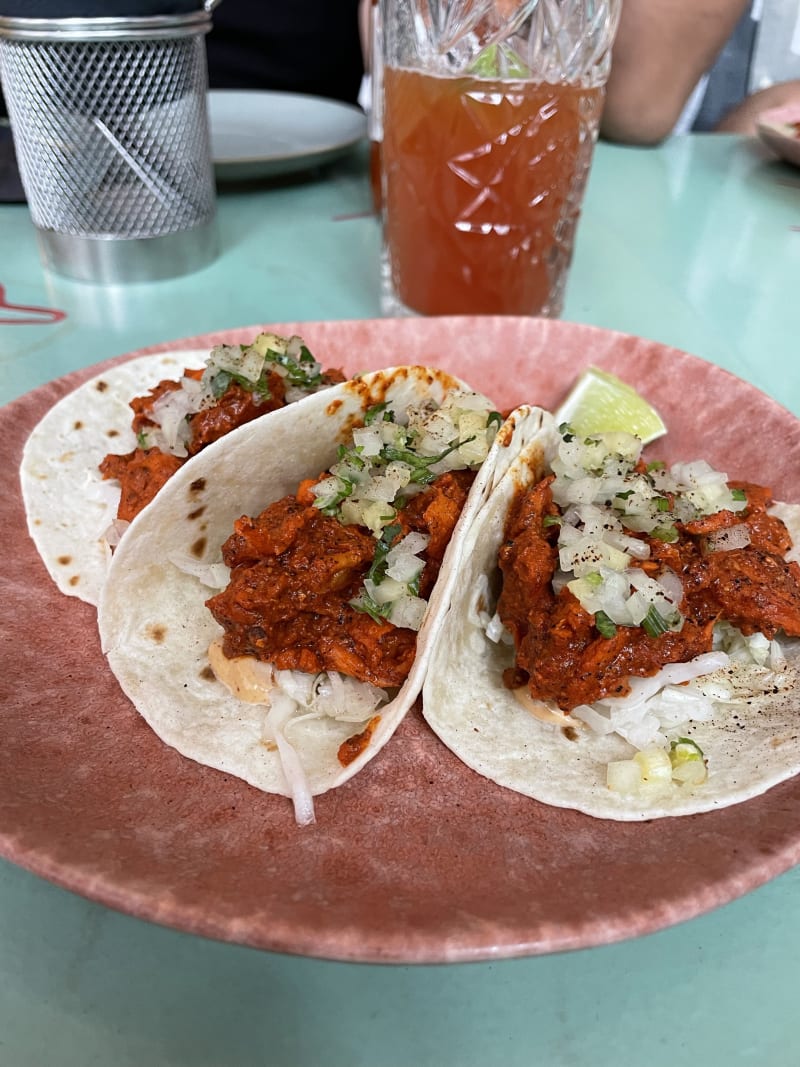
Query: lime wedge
(601, 403)
(499, 61)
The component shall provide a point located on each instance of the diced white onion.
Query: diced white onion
(403, 563)
(654, 764)
(170, 411)
(624, 776)
(408, 612)
(369, 439)
(495, 630)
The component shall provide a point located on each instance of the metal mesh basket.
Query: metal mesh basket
(111, 128)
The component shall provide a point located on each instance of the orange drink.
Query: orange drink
(483, 181)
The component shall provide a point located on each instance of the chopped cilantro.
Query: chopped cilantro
(377, 570)
(654, 624)
(604, 625)
(383, 410)
(420, 465)
(367, 605)
(223, 379)
(305, 371)
(667, 534)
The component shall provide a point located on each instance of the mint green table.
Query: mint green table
(695, 244)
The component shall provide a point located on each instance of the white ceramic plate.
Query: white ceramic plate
(258, 134)
(780, 129)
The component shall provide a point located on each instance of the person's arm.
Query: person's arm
(742, 118)
(660, 53)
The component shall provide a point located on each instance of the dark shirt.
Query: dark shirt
(303, 46)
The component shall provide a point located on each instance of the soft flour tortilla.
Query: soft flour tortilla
(69, 506)
(467, 705)
(153, 623)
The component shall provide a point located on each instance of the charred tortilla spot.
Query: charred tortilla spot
(74, 580)
(198, 485)
(199, 547)
(196, 513)
(65, 560)
(570, 733)
(333, 407)
(77, 425)
(112, 433)
(505, 433)
(207, 674)
(157, 633)
(101, 386)
(270, 746)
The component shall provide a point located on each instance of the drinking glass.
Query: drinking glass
(490, 111)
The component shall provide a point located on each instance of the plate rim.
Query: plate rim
(311, 154)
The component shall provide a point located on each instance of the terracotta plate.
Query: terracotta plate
(417, 858)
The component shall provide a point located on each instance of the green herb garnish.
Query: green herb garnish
(223, 379)
(667, 534)
(420, 465)
(377, 570)
(303, 371)
(684, 750)
(372, 413)
(365, 604)
(604, 625)
(654, 624)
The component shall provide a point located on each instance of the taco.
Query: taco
(155, 412)
(623, 638)
(274, 622)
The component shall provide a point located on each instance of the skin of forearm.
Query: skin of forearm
(662, 49)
